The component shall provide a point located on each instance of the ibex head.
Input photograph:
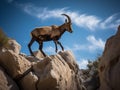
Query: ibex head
(68, 24)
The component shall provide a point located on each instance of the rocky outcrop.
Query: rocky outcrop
(58, 72)
(14, 64)
(55, 72)
(109, 68)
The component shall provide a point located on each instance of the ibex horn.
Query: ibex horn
(67, 17)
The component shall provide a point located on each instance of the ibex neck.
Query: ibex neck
(62, 28)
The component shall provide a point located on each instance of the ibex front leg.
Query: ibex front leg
(60, 45)
(57, 42)
(40, 48)
(56, 49)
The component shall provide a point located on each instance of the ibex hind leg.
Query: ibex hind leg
(29, 46)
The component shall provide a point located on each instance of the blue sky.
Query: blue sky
(93, 21)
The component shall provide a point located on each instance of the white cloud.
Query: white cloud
(81, 20)
(111, 22)
(41, 13)
(90, 22)
(82, 63)
(95, 43)
(92, 45)
(76, 47)
(50, 49)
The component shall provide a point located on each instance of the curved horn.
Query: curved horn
(69, 19)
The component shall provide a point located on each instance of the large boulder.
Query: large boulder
(109, 68)
(6, 83)
(54, 73)
(29, 82)
(14, 64)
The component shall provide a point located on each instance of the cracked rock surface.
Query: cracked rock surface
(55, 72)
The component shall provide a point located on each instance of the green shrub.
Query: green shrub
(3, 38)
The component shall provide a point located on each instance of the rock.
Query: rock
(38, 54)
(6, 83)
(32, 58)
(70, 59)
(15, 64)
(109, 68)
(12, 45)
(54, 73)
(29, 81)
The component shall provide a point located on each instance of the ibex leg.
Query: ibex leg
(56, 49)
(57, 42)
(29, 46)
(61, 45)
(40, 48)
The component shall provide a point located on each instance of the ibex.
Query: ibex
(50, 33)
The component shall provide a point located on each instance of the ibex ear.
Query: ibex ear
(65, 20)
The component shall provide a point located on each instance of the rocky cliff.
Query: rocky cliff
(58, 72)
(109, 68)
(21, 72)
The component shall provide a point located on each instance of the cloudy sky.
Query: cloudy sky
(93, 21)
